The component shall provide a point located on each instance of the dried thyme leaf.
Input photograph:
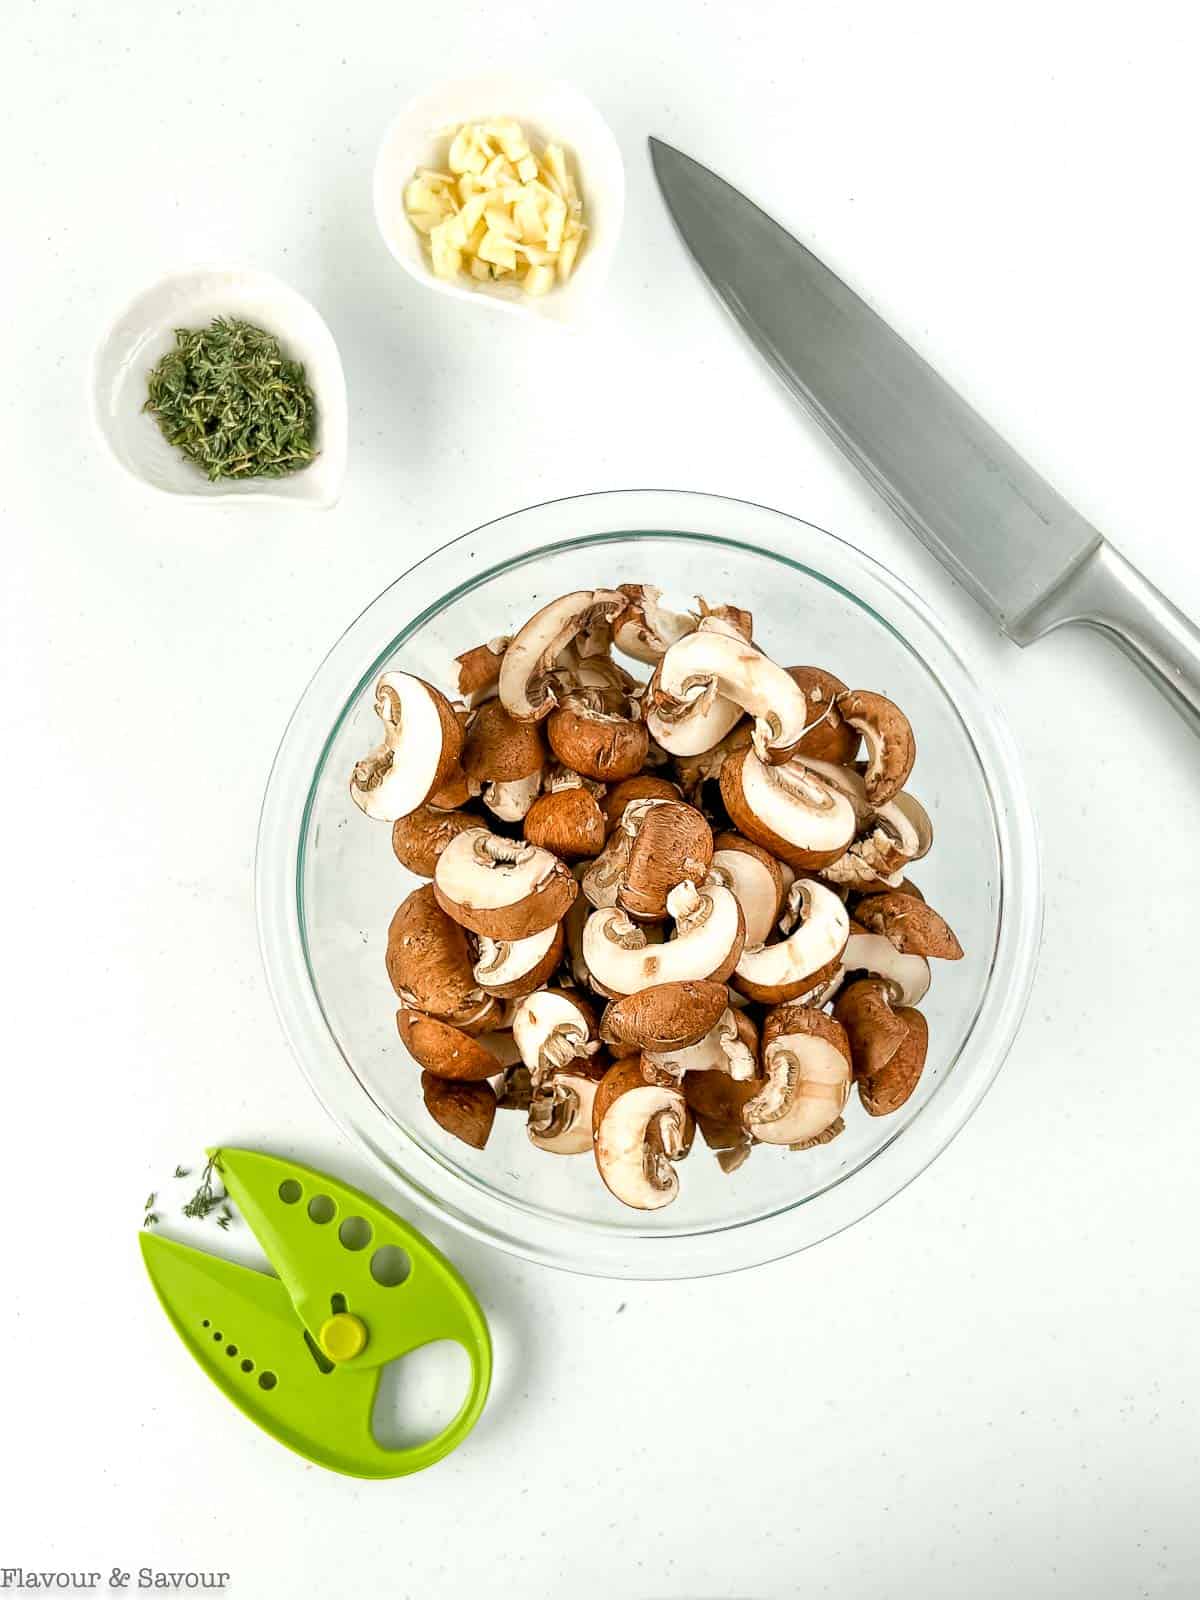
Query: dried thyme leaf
(206, 1198)
(229, 399)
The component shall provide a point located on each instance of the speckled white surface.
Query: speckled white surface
(990, 1387)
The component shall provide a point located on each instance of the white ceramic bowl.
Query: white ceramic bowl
(549, 110)
(143, 334)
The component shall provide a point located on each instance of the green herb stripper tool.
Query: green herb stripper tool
(301, 1353)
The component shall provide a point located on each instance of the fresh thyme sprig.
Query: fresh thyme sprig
(228, 398)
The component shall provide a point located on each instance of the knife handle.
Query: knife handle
(1107, 593)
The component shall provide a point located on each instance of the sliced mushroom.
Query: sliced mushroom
(429, 960)
(422, 739)
(670, 842)
(912, 926)
(827, 736)
(886, 1091)
(561, 1107)
(694, 772)
(789, 810)
(503, 888)
(504, 759)
(598, 742)
(816, 929)
(907, 976)
(644, 787)
(511, 968)
(706, 944)
(466, 1110)
(891, 747)
(895, 834)
(730, 1046)
(807, 1064)
(640, 1130)
(874, 1029)
(693, 726)
(755, 877)
(552, 1029)
(666, 1016)
(419, 838)
(734, 620)
(645, 630)
(717, 1102)
(566, 819)
(713, 662)
(527, 672)
(479, 670)
(445, 1050)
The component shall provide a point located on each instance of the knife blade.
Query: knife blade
(997, 526)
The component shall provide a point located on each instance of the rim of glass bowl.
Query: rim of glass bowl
(524, 536)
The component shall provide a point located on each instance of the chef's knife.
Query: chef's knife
(1004, 533)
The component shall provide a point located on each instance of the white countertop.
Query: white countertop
(991, 1385)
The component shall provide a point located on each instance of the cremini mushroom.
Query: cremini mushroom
(479, 670)
(645, 630)
(873, 954)
(527, 684)
(509, 968)
(827, 736)
(886, 1090)
(914, 927)
(729, 1046)
(429, 960)
(707, 942)
(713, 662)
(875, 1031)
(815, 927)
(566, 818)
(466, 1110)
(717, 1102)
(724, 618)
(666, 1016)
(504, 759)
(561, 1106)
(755, 877)
(891, 747)
(445, 1050)
(422, 739)
(639, 1130)
(552, 1029)
(646, 786)
(807, 1064)
(670, 842)
(896, 833)
(791, 811)
(504, 888)
(694, 772)
(419, 838)
(599, 742)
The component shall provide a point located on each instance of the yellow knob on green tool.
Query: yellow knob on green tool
(301, 1352)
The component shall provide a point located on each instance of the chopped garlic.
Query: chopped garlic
(500, 211)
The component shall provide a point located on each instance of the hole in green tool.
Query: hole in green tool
(290, 1191)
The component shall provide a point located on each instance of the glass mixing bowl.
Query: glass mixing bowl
(328, 883)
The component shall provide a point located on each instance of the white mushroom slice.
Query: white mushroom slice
(503, 888)
(511, 801)
(527, 689)
(560, 1113)
(422, 739)
(714, 660)
(722, 1049)
(707, 942)
(795, 965)
(645, 630)
(847, 781)
(756, 888)
(896, 834)
(639, 1137)
(905, 813)
(551, 1031)
(515, 966)
(907, 976)
(806, 1059)
(796, 815)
